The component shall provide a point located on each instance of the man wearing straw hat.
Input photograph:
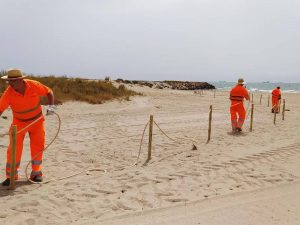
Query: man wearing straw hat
(23, 97)
(237, 110)
(276, 96)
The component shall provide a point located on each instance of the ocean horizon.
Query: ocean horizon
(260, 86)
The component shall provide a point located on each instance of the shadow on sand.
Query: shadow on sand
(4, 190)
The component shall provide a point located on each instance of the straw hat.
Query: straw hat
(13, 74)
(241, 81)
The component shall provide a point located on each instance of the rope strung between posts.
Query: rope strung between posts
(141, 142)
(100, 169)
(170, 137)
(194, 146)
(248, 109)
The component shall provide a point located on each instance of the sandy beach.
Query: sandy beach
(252, 178)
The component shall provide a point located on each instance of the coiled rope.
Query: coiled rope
(61, 178)
(35, 156)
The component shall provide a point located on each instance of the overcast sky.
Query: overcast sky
(195, 40)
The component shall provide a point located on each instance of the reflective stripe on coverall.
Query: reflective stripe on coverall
(26, 108)
(276, 96)
(237, 110)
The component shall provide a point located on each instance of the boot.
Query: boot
(6, 182)
(37, 179)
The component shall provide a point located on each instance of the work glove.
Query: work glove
(51, 110)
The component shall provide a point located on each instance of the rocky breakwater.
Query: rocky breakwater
(178, 85)
(188, 85)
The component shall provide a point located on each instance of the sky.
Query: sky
(192, 40)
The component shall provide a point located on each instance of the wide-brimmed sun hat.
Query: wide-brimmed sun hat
(13, 74)
(241, 81)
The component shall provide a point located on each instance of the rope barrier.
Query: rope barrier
(140, 146)
(172, 138)
(141, 142)
(164, 133)
(103, 139)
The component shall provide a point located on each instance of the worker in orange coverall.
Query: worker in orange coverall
(276, 96)
(237, 110)
(23, 97)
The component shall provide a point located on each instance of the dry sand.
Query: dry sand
(249, 179)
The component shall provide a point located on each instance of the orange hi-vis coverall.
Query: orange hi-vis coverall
(237, 95)
(26, 109)
(276, 96)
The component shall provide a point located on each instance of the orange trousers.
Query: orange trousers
(238, 115)
(275, 104)
(37, 144)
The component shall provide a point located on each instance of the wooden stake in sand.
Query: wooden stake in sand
(268, 100)
(260, 99)
(209, 123)
(251, 120)
(13, 157)
(150, 137)
(274, 120)
(283, 109)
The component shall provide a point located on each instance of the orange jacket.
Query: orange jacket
(276, 94)
(25, 107)
(237, 94)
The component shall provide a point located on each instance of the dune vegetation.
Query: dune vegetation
(78, 89)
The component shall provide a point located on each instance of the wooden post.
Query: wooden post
(283, 109)
(214, 93)
(274, 121)
(13, 157)
(279, 106)
(209, 123)
(268, 100)
(150, 137)
(260, 99)
(252, 97)
(251, 120)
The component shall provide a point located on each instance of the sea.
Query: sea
(260, 86)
